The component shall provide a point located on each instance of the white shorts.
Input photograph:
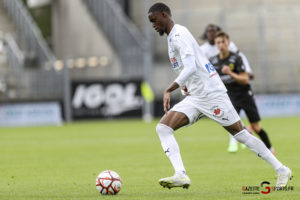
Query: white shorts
(218, 108)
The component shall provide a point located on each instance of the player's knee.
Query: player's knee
(162, 128)
(234, 128)
(158, 128)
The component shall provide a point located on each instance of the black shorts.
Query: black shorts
(247, 103)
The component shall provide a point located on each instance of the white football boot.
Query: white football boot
(178, 180)
(233, 148)
(283, 179)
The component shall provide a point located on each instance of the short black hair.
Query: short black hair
(222, 34)
(218, 28)
(160, 7)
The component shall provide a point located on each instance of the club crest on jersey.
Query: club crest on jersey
(231, 66)
(217, 111)
(174, 62)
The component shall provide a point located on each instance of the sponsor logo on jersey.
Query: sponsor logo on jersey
(210, 69)
(174, 62)
(232, 59)
(231, 66)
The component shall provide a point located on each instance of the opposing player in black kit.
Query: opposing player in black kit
(230, 67)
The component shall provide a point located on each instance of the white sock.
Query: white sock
(232, 140)
(258, 147)
(283, 170)
(170, 146)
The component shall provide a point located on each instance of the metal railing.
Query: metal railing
(27, 28)
(16, 60)
(132, 47)
(122, 33)
(41, 81)
(15, 56)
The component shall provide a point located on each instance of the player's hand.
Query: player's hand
(185, 91)
(166, 101)
(226, 69)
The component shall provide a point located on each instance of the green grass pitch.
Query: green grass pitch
(63, 162)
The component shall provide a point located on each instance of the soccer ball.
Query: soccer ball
(108, 182)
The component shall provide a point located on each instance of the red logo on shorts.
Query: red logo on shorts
(217, 111)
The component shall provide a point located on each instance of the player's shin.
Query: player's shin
(258, 147)
(170, 146)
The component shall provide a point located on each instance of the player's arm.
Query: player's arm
(189, 63)
(233, 48)
(241, 76)
(247, 65)
(189, 68)
(167, 93)
(184, 91)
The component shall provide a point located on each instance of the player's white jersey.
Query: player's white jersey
(205, 82)
(212, 50)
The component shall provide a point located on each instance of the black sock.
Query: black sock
(264, 137)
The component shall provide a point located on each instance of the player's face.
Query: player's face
(210, 34)
(222, 44)
(158, 22)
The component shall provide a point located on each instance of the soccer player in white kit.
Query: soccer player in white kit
(207, 96)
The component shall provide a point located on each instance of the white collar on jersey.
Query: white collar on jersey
(172, 31)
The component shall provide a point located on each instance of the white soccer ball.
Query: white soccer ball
(108, 182)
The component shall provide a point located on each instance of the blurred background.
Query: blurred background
(65, 60)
